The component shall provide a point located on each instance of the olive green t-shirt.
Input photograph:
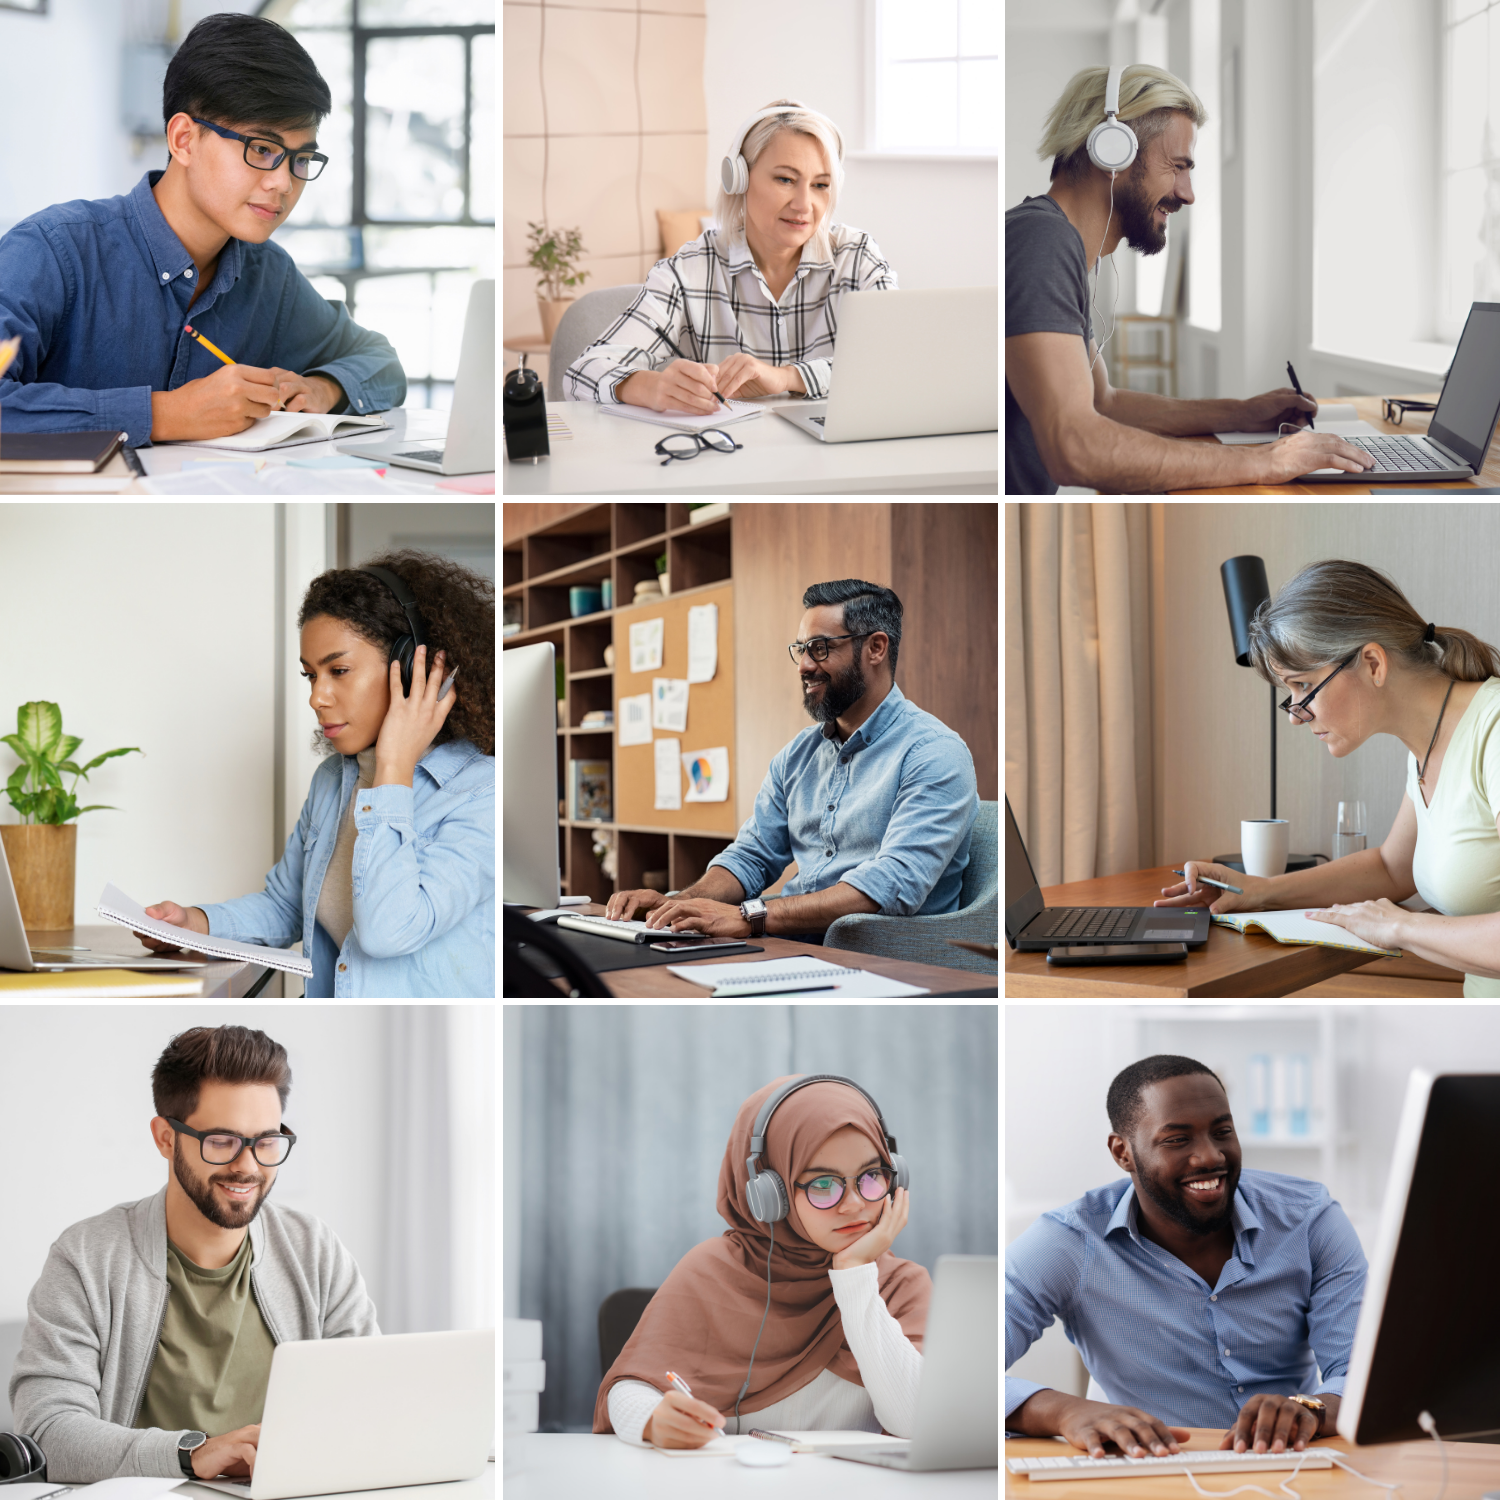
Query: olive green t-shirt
(214, 1355)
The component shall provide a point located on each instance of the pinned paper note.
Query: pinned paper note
(645, 645)
(708, 774)
(668, 775)
(669, 704)
(635, 720)
(703, 642)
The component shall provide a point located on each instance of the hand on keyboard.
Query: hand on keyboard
(624, 906)
(1302, 452)
(1095, 1426)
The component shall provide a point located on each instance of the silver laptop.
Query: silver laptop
(1458, 436)
(957, 1424)
(17, 953)
(469, 447)
(372, 1414)
(910, 364)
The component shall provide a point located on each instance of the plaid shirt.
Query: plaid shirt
(711, 300)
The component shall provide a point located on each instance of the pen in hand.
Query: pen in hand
(1296, 387)
(678, 352)
(214, 349)
(680, 1384)
(1204, 880)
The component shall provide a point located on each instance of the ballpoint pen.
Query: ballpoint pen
(680, 1384)
(675, 350)
(1290, 371)
(1204, 880)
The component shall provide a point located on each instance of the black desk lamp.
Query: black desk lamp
(1245, 590)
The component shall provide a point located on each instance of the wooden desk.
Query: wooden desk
(1473, 1469)
(221, 981)
(1230, 965)
(1368, 408)
(654, 982)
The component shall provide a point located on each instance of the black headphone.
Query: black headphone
(21, 1461)
(404, 647)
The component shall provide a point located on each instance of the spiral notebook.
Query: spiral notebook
(790, 976)
(118, 907)
(1293, 927)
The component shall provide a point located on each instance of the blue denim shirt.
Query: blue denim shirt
(98, 291)
(424, 883)
(888, 812)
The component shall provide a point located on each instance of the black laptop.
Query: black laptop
(1032, 926)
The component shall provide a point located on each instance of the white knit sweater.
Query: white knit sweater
(889, 1364)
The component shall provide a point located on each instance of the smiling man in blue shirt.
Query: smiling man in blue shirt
(1196, 1292)
(876, 805)
(100, 291)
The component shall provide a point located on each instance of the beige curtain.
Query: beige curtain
(1081, 637)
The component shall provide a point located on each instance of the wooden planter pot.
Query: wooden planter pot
(42, 858)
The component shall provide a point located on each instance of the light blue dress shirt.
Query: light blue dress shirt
(1155, 1335)
(889, 812)
(423, 878)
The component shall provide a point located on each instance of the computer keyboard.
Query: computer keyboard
(1398, 455)
(1083, 922)
(1205, 1461)
(630, 932)
(428, 455)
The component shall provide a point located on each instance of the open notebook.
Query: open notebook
(1293, 927)
(801, 1442)
(683, 421)
(284, 429)
(119, 907)
(790, 976)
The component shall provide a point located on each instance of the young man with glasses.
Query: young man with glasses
(100, 292)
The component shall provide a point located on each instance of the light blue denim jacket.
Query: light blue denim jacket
(424, 883)
(889, 812)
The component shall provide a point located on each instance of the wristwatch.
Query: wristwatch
(1318, 1408)
(187, 1445)
(754, 912)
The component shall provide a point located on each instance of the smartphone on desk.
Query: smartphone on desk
(1118, 953)
(700, 950)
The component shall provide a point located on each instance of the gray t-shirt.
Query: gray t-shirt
(1046, 291)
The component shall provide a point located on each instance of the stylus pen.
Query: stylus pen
(675, 350)
(1204, 880)
(1290, 371)
(680, 1384)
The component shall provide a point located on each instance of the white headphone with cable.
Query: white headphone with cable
(1112, 147)
(734, 171)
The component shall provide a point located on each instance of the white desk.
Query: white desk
(480, 1488)
(613, 456)
(559, 1465)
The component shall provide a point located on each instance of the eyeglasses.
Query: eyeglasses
(827, 1191)
(1393, 410)
(218, 1148)
(819, 645)
(266, 156)
(685, 445)
(1299, 710)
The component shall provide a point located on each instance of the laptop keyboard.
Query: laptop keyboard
(430, 455)
(1083, 922)
(818, 420)
(1398, 455)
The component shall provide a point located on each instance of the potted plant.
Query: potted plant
(556, 256)
(663, 577)
(43, 850)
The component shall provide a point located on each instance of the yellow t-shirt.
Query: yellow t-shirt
(1457, 861)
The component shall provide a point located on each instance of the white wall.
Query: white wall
(464, 532)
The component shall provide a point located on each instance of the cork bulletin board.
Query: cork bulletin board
(710, 716)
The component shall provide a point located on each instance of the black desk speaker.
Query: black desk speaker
(524, 412)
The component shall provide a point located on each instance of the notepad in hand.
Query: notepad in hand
(285, 429)
(1293, 927)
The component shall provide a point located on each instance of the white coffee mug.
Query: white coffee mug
(1263, 845)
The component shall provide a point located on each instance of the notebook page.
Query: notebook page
(1292, 927)
(814, 970)
(683, 421)
(283, 428)
(118, 907)
(1340, 418)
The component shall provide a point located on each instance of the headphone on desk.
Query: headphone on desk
(1112, 147)
(404, 647)
(21, 1461)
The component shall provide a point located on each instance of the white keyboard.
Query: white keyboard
(629, 932)
(1203, 1461)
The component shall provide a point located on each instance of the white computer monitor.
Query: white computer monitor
(529, 830)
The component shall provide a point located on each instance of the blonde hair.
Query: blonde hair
(1333, 608)
(729, 208)
(1149, 97)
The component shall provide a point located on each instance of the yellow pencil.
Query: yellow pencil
(8, 352)
(212, 349)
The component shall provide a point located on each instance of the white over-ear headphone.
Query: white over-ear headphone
(1112, 147)
(734, 172)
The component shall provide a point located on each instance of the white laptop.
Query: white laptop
(17, 953)
(910, 364)
(372, 1414)
(469, 447)
(958, 1402)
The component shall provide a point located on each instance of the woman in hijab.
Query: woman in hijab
(839, 1349)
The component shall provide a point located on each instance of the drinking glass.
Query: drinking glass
(1349, 832)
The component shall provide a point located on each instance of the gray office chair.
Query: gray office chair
(923, 940)
(618, 1315)
(10, 1347)
(588, 317)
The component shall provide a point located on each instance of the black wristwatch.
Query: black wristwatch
(754, 912)
(187, 1445)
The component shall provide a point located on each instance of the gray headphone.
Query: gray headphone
(21, 1461)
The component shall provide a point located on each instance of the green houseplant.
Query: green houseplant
(555, 256)
(43, 849)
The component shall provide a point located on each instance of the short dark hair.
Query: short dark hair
(233, 68)
(216, 1054)
(1124, 1101)
(867, 607)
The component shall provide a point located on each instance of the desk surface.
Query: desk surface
(655, 982)
(1230, 965)
(609, 455)
(1368, 407)
(1473, 1468)
(221, 981)
(482, 1487)
(554, 1465)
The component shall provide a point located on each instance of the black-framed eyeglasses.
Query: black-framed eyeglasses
(687, 445)
(219, 1148)
(1393, 410)
(819, 645)
(1299, 710)
(266, 156)
(827, 1191)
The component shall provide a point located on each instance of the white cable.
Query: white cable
(1425, 1422)
(1296, 1494)
(1099, 262)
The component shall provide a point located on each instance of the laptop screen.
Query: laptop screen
(1023, 896)
(1470, 403)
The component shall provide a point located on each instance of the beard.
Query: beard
(1168, 1197)
(1137, 216)
(237, 1216)
(841, 691)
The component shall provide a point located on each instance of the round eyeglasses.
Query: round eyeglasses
(220, 1147)
(827, 1191)
(687, 445)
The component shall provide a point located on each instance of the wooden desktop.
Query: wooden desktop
(1369, 409)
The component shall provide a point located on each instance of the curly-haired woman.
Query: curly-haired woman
(389, 876)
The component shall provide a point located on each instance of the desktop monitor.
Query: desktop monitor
(531, 875)
(1428, 1338)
